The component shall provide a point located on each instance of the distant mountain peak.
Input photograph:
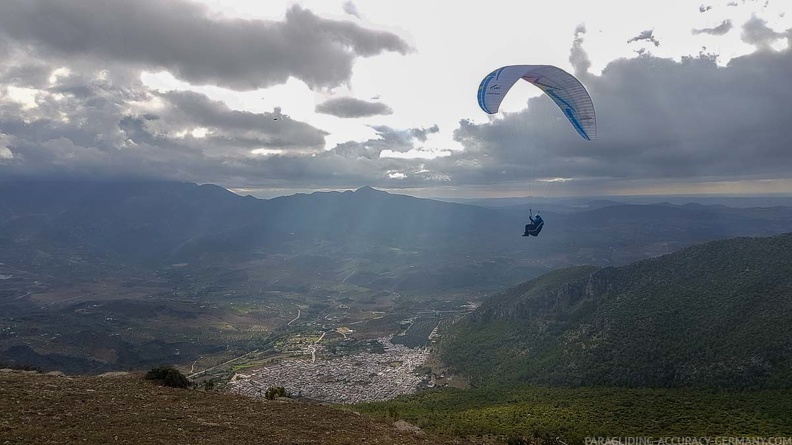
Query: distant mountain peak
(369, 189)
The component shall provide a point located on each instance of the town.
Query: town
(353, 378)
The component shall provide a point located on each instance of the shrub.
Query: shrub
(275, 391)
(20, 367)
(168, 376)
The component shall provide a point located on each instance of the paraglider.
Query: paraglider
(566, 91)
(535, 226)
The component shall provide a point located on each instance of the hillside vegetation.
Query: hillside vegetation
(533, 414)
(713, 315)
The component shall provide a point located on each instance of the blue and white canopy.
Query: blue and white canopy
(565, 90)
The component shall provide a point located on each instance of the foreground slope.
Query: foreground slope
(40, 408)
(716, 314)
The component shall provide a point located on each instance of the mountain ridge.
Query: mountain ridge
(714, 314)
(157, 221)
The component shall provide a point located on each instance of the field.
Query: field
(201, 316)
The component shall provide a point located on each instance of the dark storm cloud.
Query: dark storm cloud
(181, 37)
(645, 36)
(243, 128)
(108, 124)
(349, 107)
(719, 30)
(658, 120)
(26, 76)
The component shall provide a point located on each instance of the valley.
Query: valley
(202, 317)
(334, 296)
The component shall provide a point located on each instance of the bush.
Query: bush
(169, 376)
(20, 367)
(276, 391)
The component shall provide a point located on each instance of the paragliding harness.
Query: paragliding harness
(535, 226)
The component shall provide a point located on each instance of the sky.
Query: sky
(278, 97)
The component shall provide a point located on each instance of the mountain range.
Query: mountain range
(160, 223)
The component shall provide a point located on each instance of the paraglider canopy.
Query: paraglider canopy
(566, 91)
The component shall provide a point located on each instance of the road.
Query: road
(191, 376)
(295, 318)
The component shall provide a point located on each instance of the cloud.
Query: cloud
(577, 55)
(108, 124)
(403, 140)
(351, 9)
(5, 152)
(349, 107)
(224, 127)
(391, 143)
(756, 32)
(719, 30)
(658, 121)
(183, 38)
(86, 112)
(105, 123)
(421, 133)
(387, 139)
(647, 36)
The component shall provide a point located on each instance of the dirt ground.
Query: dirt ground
(126, 409)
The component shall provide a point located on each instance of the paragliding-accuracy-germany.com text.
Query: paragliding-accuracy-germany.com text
(699, 440)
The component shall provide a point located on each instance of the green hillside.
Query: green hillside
(713, 315)
(541, 414)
